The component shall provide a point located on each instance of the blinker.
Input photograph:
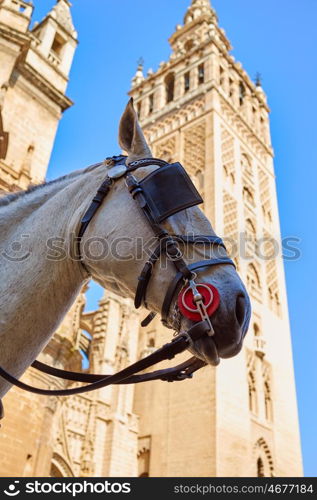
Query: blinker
(169, 190)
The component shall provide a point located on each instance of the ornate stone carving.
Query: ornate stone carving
(166, 149)
(230, 229)
(228, 158)
(265, 196)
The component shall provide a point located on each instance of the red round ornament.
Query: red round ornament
(210, 298)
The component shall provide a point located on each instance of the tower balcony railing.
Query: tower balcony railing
(22, 7)
(259, 345)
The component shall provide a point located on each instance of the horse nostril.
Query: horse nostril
(240, 309)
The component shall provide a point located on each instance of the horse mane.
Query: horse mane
(10, 198)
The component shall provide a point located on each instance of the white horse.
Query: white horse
(37, 290)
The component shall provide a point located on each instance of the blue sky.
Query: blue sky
(279, 40)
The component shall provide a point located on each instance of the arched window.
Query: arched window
(250, 235)
(169, 87)
(253, 403)
(268, 401)
(187, 82)
(60, 467)
(248, 196)
(231, 88)
(151, 103)
(241, 93)
(221, 76)
(253, 281)
(246, 166)
(256, 330)
(201, 74)
(263, 460)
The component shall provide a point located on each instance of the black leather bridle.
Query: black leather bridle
(185, 275)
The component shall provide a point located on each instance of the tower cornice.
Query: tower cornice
(44, 85)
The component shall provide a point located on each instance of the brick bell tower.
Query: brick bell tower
(34, 69)
(240, 419)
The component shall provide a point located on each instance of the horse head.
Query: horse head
(131, 238)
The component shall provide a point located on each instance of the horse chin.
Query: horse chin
(204, 348)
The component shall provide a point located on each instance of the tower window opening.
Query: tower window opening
(268, 402)
(169, 87)
(189, 45)
(252, 393)
(187, 81)
(254, 111)
(139, 107)
(256, 330)
(241, 93)
(151, 104)
(19, 6)
(221, 76)
(58, 45)
(201, 74)
(248, 196)
(231, 82)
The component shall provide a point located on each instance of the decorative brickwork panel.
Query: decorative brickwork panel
(269, 251)
(166, 150)
(254, 285)
(265, 197)
(195, 148)
(227, 158)
(230, 208)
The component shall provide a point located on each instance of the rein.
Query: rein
(162, 193)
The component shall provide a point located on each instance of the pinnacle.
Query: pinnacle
(197, 9)
(203, 3)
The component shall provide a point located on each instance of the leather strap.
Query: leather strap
(168, 351)
(178, 372)
(93, 208)
(145, 276)
(180, 343)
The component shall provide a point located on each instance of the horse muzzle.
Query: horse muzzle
(201, 301)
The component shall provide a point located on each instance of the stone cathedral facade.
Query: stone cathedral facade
(202, 109)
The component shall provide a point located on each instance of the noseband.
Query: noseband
(162, 193)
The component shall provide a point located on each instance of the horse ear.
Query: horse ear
(131, 137)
